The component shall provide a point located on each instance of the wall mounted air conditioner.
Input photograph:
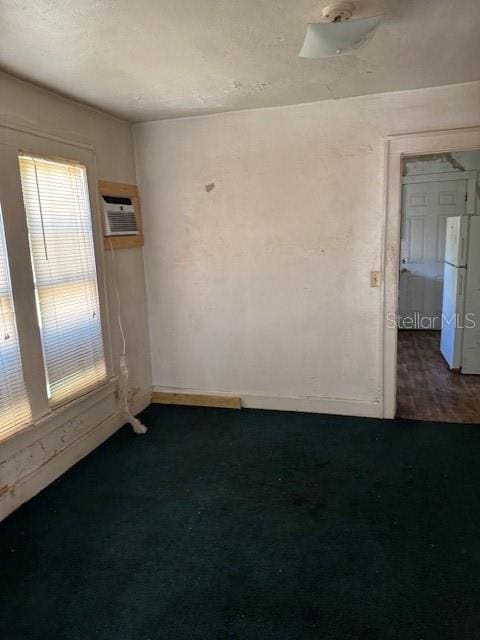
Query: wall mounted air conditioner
(122, 217)
(119, 216)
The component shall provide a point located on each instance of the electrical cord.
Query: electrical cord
(137, 426)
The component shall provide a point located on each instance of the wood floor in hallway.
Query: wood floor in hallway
(427, 389)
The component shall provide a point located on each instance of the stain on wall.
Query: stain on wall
(438, 161)
(445, 162)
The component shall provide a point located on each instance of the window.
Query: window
(14, 405)
(61, 244)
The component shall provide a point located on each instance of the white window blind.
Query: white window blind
(61, 244)
(14, 405)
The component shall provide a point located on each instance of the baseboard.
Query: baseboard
(28, 486)
(335, 406)
(309, 404)
(197, 400)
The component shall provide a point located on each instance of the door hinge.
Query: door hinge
(466, 196)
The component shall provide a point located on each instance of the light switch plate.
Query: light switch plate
(375, 278)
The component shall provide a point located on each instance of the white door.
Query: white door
(425, 209)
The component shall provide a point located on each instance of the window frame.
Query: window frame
(14, 390)
(13, 143)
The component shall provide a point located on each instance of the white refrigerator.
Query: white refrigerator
(460, 337)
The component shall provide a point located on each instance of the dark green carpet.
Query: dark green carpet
(253, 525)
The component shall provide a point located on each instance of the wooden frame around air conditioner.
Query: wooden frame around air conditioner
(120, 189)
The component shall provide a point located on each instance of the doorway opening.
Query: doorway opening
(438, 320)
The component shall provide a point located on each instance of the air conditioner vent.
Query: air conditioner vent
(119, 216)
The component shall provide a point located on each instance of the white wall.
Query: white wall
(35, 457)
(260, 286)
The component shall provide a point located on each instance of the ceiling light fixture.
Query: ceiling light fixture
(336, 34)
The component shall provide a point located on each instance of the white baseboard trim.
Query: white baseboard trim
(335, 406)
(28, 486)
(309, 404)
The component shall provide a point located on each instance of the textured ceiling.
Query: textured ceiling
(150, 59)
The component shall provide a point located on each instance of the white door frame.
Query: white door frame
(397, 148)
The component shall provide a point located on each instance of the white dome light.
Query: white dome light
(338, 34)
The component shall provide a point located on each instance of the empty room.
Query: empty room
(240, 320)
